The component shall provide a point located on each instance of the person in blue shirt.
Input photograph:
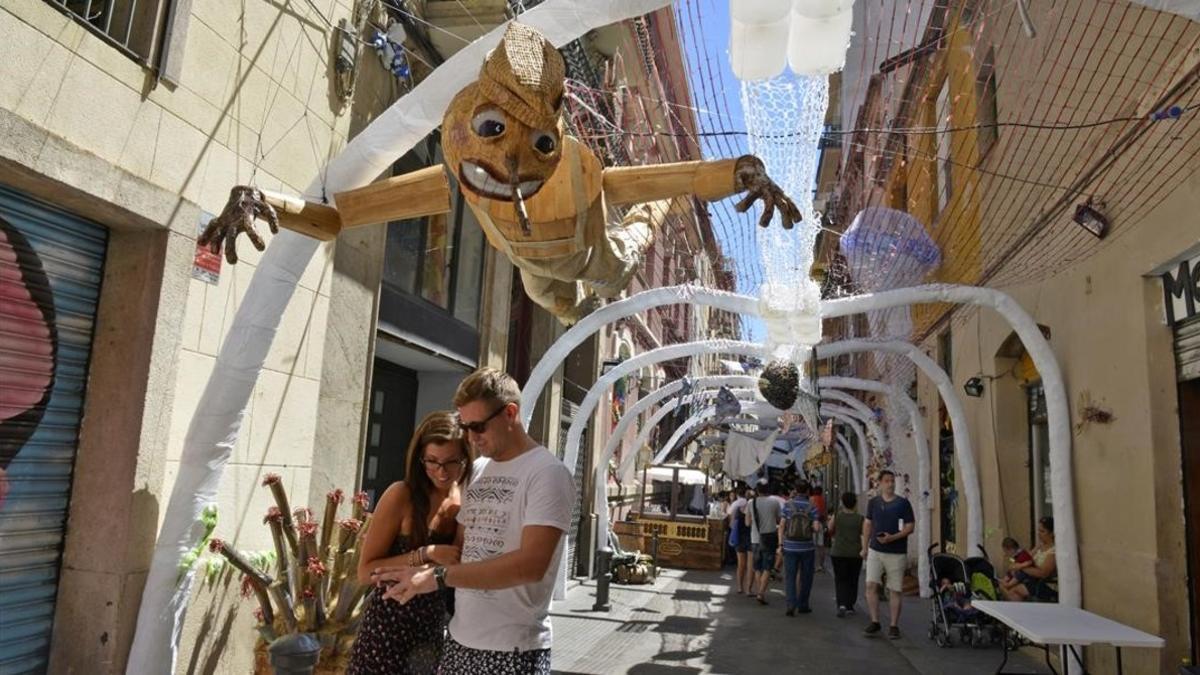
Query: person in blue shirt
(887, 527)
(799, 521)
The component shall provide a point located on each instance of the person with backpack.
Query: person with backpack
(800, 520)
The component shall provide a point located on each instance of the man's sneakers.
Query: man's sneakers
(841, 612)
(790, 612)
(874, 629)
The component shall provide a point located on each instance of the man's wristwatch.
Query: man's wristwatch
(439, 573)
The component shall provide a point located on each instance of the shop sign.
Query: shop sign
(1181, 291)
(206, 265)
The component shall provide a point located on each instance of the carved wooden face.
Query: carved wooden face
(483, 145)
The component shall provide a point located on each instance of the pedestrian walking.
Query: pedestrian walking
(763, 517)
(799, 522)
(849, 540)
(739, 537)
(887, 526)
(511, 524)
(821, 536)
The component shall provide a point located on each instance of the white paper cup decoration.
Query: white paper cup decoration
(821, 9)
(767, 36)
(758, 51)
(818, 46)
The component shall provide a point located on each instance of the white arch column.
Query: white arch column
(845, 416)
(848, 453)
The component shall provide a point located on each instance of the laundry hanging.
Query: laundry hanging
(744, 455)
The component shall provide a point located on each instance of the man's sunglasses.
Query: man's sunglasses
(480, 426)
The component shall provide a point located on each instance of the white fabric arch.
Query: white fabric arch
(878, 437)
(757, 408)
(667, 353)
(917, 422)
(958, 418)
(1067, 543)
(850, 419)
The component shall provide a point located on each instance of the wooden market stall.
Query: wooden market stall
(674, 508)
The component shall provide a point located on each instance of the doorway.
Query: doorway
(389, 428)
(1189, 428)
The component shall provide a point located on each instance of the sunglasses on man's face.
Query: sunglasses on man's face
(480, 426)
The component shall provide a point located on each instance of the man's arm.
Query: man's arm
(866, 535)
(525, 565)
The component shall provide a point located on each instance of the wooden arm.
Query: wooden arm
(308, 218)
(709, 181)
(413, 195)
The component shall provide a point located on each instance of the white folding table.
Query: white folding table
(1066, 627)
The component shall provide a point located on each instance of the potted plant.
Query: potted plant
(308, 612)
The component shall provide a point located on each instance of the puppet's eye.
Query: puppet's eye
(488, 123)
(543, 142)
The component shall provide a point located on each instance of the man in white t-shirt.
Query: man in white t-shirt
(510, 530)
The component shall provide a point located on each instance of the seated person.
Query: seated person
(955, 598)
(1039, 576)
(1018, 558)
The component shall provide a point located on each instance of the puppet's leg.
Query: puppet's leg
(617, 258)
(563, 299)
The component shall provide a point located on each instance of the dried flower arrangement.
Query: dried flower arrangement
(315, 588)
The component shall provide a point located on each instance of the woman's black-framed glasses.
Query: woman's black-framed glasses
(480, 426)
(450, 467)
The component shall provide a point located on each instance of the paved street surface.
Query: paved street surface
(691, 622)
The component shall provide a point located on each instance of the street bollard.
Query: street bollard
(295, 654)
(603, 579)
(654, 553)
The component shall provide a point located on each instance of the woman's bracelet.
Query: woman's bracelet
(423, 556)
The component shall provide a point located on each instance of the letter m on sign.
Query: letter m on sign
(1179, 293)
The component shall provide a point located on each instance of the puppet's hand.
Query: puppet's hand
(245, 204)
(751, 176)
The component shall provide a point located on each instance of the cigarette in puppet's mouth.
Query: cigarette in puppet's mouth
(486, 183)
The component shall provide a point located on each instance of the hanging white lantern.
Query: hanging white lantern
(821, 9)
(758, 51)
(818, 46)
(759, 11)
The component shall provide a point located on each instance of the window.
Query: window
(132, 26)
(438, 259)
(945, 185)
(986, 113)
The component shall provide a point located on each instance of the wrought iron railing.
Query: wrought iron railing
(134, 27)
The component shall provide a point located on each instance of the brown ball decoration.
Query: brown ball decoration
(780, 383)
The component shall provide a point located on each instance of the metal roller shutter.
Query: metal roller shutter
(50, 273)
(1187, 348)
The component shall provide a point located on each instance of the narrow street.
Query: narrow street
(688, 623)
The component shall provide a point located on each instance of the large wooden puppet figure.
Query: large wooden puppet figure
(542, 197)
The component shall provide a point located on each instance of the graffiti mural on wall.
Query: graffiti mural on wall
(28, 345)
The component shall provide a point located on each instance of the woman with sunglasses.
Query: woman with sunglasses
(413, 524)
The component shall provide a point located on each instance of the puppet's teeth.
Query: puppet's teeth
(529, 186)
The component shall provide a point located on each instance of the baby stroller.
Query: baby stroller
(956, 583)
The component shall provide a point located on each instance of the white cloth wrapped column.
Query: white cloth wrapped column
(850, 418)
(849, 458)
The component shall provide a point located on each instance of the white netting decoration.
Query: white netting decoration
(785, 117)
